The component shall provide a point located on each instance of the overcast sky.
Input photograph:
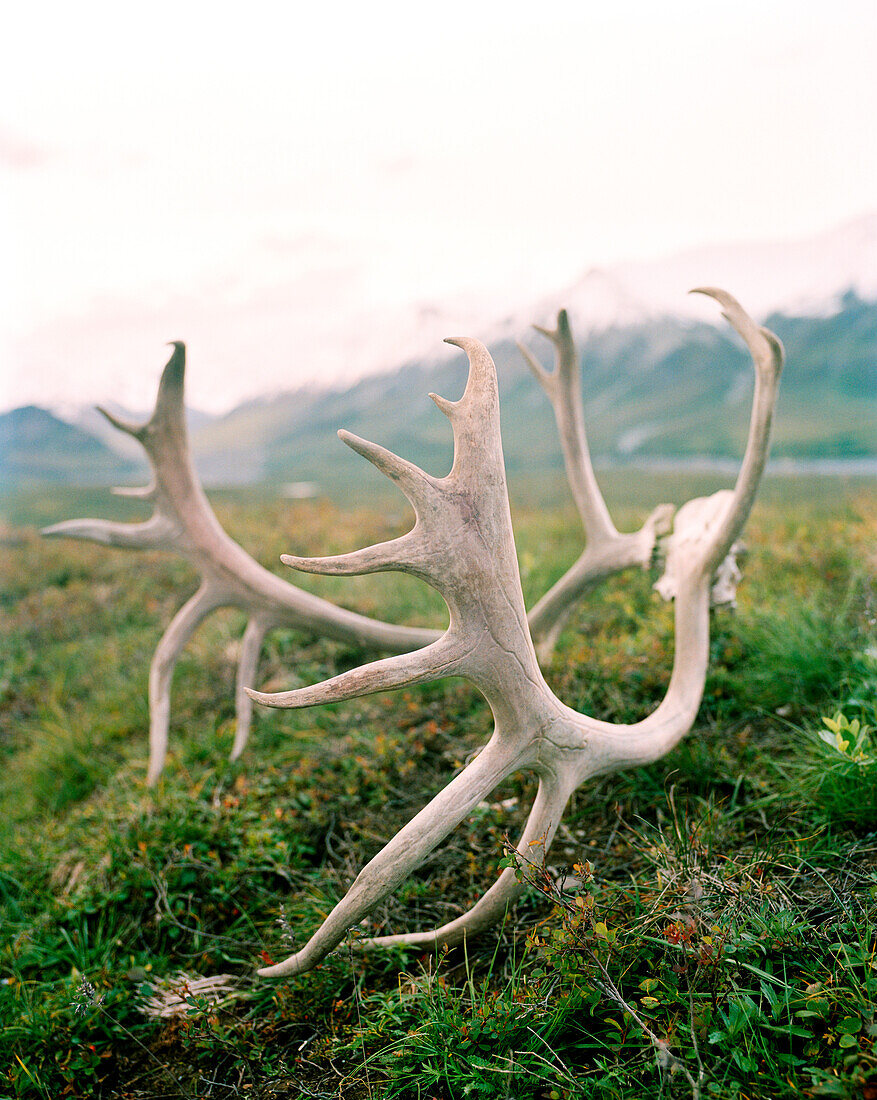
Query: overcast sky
(284, 186)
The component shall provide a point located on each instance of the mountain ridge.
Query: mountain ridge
(663, 377)
(657, 390)
(804, 275)
(676, 390)
(36, 449)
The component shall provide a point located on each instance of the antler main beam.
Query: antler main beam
(183, 521)
(462, 544)
(607, 550)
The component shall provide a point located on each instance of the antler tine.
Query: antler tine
(423, 665)
(704, 534)
(532, 728)
(425, 550)
(766, 349)
(414, 482)
(565, 360)
(406, 851)
(401, 553)
(481, 385)
(707, 527)
(183, 521)
(477, 454)
(135, 492)
(544, 377)
(154, 534)
(169, 412)
(548, 806)
(432, 550)
(443, 506)
(129, 427)
(161, 671)
(607, 550)
(563, 387)
(248, 663)
(173, 483)
(768, 356)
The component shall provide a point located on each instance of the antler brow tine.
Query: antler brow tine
(183, 521)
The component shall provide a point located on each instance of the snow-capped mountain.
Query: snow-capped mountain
(300, 346)
(805, 277)
(802, 277)
(664, 380)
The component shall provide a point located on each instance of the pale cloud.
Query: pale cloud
(17, 154)
(300, 172)
(115, 349)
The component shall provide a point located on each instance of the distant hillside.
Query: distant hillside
(38, 448)
(91, 421)
(653, 391)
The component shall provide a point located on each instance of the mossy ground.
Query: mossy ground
(724, 899)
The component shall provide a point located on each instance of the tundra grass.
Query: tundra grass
(706, 926)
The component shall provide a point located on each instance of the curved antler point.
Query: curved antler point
(723, 297)
(353, 441)
(280, 970)
(469, 344)
(172, 375)
(178, 355)
(443, 404)
(126, 426)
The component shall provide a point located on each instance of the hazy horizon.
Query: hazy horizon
(294, 196)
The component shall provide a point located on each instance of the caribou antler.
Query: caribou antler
(607, 551)
(182, 520)
(462, 544)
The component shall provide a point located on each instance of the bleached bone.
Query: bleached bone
(692, 525)
(607, 551)
(182, 520)
(462, 545)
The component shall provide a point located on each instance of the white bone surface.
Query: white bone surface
(462, 544)
(607, 551)
(183, 521)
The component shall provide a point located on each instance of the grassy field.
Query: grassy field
(712, 917)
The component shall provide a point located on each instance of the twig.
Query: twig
(694, 1042)
(664, 1056)
(356, 998)
(87, 995)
